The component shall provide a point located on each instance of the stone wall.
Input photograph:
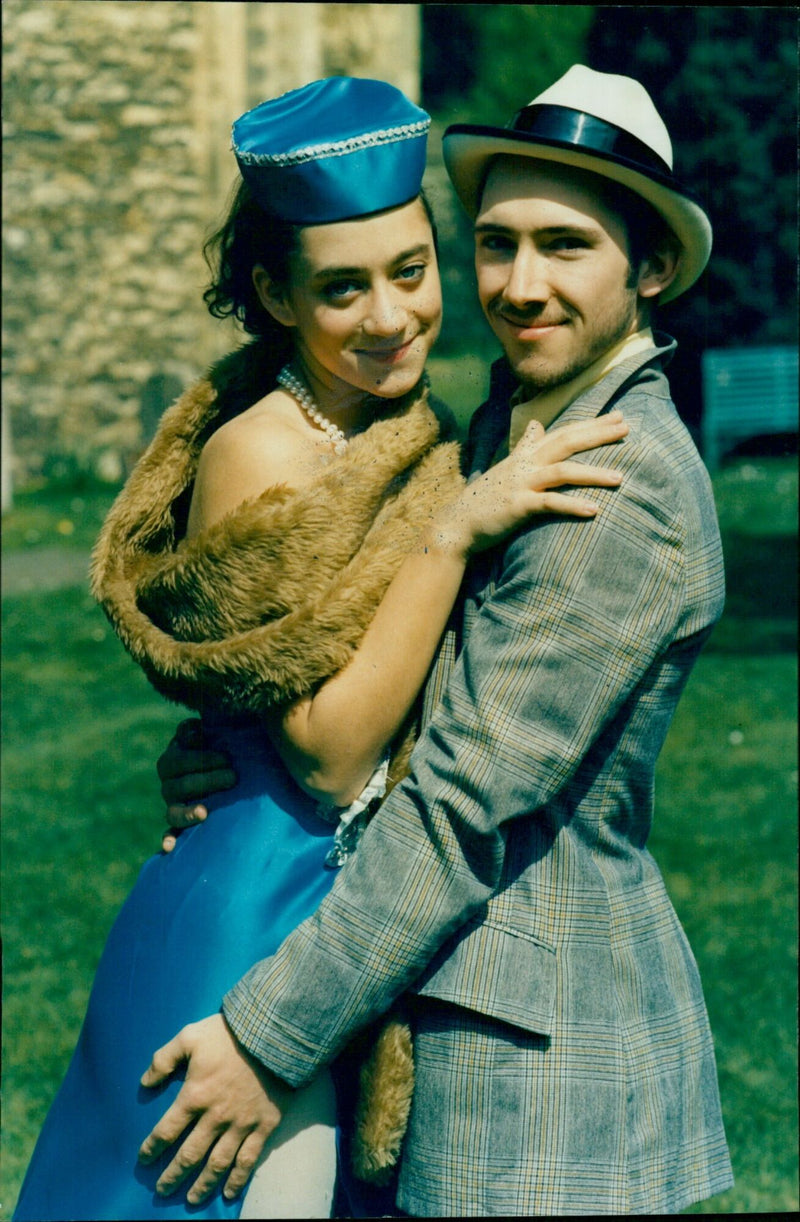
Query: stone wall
(117, 162)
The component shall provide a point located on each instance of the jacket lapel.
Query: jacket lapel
(602, 396)
(491, 421)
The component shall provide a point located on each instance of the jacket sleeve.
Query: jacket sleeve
(579, 611)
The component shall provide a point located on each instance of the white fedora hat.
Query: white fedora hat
(599, 122)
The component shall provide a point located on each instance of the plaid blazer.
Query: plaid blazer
(563, 1055)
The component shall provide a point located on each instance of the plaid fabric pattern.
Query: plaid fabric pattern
(564, 1060)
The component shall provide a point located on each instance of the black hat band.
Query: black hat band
(588, 133)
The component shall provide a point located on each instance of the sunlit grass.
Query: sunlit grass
(726, 839)
(81, 728)
(65, 517)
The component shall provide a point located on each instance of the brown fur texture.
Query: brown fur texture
(386, 1088)
(264, 606)
(268, 603)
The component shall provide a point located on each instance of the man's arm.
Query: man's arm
(332, 739)
(579, 613)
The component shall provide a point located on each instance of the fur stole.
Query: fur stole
(271, 601)
(268, 603)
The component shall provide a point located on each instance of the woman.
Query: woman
(284, 559)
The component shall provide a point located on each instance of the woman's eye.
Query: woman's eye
(337, 290)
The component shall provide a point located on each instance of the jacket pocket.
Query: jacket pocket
(497, 971)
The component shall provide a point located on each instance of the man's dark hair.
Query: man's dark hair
(647, 232)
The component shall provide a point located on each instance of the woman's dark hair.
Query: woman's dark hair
(250, 235)
(426, 203)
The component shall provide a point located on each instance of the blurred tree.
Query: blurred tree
(482, 62)
(449, 54)
(725, 80)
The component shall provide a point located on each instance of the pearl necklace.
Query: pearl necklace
(295, 387)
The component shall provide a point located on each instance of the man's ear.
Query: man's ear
(657, 271)
(273, 297)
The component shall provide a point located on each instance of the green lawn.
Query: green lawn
(81, 729)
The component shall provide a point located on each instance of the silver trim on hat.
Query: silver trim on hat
(336, 148)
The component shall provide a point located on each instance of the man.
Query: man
(563, 1058)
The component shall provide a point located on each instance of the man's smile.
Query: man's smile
(530, 328)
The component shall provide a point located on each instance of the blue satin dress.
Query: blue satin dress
(196, 920)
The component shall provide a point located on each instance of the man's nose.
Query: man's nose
(528, 279)
(387, 314)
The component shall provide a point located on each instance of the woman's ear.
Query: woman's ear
(657, 271)
(273, 297)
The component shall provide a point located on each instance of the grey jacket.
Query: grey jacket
(564, 1060)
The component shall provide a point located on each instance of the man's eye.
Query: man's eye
(496, 242)
(569, 243)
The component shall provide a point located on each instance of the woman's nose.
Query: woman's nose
(387, 314)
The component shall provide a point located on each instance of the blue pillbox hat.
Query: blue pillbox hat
(337, 148)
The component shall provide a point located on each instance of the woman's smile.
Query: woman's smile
(388, 355)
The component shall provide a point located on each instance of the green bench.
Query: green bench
(747, 392)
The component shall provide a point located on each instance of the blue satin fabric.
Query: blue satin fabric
(196, 920)
(338, 188)
(324, 112)
(336, 148)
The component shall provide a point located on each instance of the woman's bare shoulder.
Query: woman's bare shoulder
(265, 428)
(256, 450)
